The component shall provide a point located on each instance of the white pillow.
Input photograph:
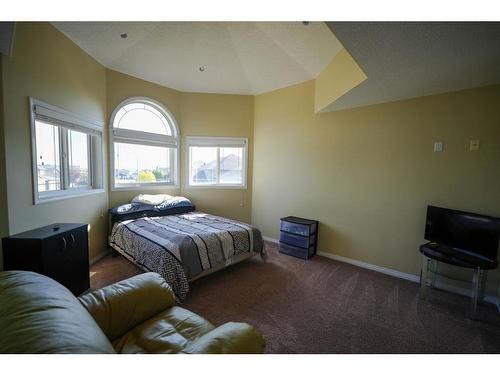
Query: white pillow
(153, 199)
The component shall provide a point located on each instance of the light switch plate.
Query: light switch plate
(474, 145)
(438, 146)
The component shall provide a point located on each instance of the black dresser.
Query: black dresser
(59, 251)
(298, 237)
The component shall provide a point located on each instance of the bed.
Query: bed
(185, 247)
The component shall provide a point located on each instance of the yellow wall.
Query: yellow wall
(221, 116)
(196, 115)
(341, 75)
(46, 65)
(367, 174)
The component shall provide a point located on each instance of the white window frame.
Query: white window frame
(67, 121)
(217, 142)
(146, 139)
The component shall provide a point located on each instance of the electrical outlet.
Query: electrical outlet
(438, 146)
(474, 145)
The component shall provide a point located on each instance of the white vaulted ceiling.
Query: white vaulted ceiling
(237, 57)
(405, 60)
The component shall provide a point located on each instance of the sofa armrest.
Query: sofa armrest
(119, 307)
(229, 338)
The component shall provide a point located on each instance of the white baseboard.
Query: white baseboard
(270, 239)
(441, 284)
(373, 267)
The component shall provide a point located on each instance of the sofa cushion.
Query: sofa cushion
(39, 315)
(229, 338)
(119, 307)
(168, 332)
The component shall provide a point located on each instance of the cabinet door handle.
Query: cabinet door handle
(72, 239)
(65, 243)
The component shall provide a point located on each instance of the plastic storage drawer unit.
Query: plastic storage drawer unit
(296, 240)
(298, 237)
(296, 225)
(298, 252)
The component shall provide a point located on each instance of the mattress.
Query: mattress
(186, 246)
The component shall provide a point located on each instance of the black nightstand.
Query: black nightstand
(298, 237)
(59, 251)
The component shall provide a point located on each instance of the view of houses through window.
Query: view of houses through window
(216, 165)
(52, 142)
(142, 164)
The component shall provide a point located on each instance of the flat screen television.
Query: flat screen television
(475, 233)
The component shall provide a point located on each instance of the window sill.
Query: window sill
(223, 187)
(67, 195)
(144, 187)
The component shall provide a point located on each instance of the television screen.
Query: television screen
(476, 233)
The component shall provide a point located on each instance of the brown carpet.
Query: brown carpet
(324, 306)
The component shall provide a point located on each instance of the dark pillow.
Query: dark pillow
(176, 203)
(135, 210)
(131, 211)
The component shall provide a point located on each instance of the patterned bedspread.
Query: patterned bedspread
(180, 247)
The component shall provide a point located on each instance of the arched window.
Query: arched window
(144, 144)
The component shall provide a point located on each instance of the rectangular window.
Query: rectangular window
(217, 162)
(66, 152)
(203, 165)
(48, 160)
(79, 159)
(231, 165)
(137, 164)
